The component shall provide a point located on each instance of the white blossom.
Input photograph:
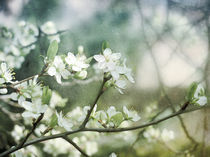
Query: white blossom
(111, 64)
(33, 109)
(108, 60)
(57, 69)
(167, 135)
(5, 74)
(111, 111)
(26, 33)
(31, 90)
(131, 114)
(3, 91)
(199, 96)
(64, 122)
(113, 155)
(151, 133)
(76, 63)
(50, 28)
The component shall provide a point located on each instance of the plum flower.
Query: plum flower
(131, 115)
(108, 60)
(27, 90)
(64, 122)
(50, 28)
(113, 155)
(57, 69)
(199, 95)
(167, 135)
(5, 73)
(111, 64)
(33, 109)
(76, 63)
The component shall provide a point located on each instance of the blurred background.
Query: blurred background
(167, 45)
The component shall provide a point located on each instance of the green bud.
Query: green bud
(52, 50)
(46, 95)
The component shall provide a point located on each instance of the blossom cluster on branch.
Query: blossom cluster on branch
(40, 106)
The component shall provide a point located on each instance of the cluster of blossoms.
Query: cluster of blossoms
(32, 91)
(22, 41)
(6, 76)
(69, 66)
(113, 66)
(35, 98)
(112, 118)
(108, 119)
(155, 134)
(50, 29)
(196, 95)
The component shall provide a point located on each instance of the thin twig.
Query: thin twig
(32, 130)
(75, 146)
(101, 91)
(159, 76)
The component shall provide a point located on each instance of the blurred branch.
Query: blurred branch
(42, 33)
(101, 130)
(206, 79)
(143, 130)
(159, 75)
(75, 146)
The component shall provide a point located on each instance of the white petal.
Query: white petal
(58, 78)
(107, 52)
(13, 96)
(202, 100)
(27, 105)
(120, 84)
(115, 75)
(30, 114)
(51, 71)
(125, 110)
(2, 81)
(3, 67)
(76, 68)
(65, 74)
(3, 91)
(99, 58)
(116, 56)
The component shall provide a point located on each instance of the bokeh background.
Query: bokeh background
(166, 43)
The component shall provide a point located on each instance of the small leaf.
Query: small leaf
(105, 45)
(53, 121)
(117, 119)
(191, 91)
(52, 50)
(88, 60)
(46, 95)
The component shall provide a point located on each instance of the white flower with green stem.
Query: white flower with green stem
(58, 69)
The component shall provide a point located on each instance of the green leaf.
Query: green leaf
(88, 60)
(46, 95)
(191, 91)
(117, 119)
(105, 45)
(53, 121)
(52, 50)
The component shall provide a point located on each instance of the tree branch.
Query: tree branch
(101, 91)
(75, 146)
(101, 130)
